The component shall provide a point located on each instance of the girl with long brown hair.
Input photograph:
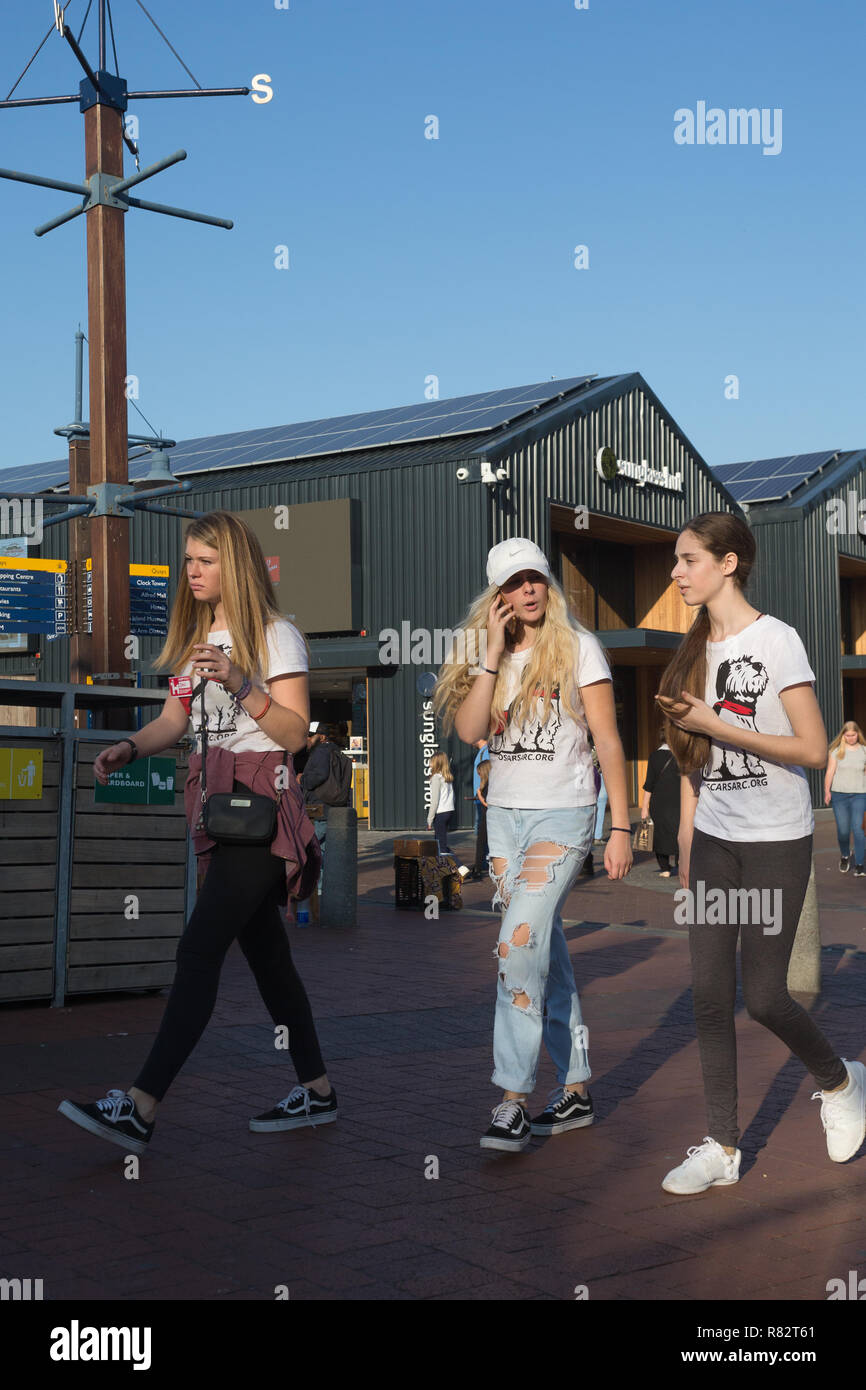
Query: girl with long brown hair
(743, 722)
(543, 684)
(228, 642)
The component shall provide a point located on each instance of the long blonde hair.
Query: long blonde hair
(246, 592)
(439, 763)
(838, 747)
(552, 663)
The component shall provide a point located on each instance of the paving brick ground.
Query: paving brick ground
(405, 1011)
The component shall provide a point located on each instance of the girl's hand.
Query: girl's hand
(617, 855)
(212, 662)
(691, 714)
(826, 798)
(498, 618)
(110, 760)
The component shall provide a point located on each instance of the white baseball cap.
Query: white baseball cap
(511, 556)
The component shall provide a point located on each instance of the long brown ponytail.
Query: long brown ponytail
(721, 533)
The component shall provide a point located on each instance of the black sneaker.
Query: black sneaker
(510, 1130)
(115, 1118)
(843, 865)
(859, 871)
(300, 1107)
(564, 1110)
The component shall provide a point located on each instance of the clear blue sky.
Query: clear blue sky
(454, 257)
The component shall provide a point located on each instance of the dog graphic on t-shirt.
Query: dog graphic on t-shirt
(535, 736)
(740, 683)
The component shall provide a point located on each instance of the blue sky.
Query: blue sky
(454, 257)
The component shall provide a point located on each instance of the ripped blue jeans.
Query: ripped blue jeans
(536, 997)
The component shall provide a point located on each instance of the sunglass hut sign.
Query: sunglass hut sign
(608, 466)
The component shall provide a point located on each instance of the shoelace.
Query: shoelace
(704, 1149)
(560, 1096)
(112, 1104)
(829, 1110)
(506, 1113)
(296, 1093)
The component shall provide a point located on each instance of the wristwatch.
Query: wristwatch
(132, 746)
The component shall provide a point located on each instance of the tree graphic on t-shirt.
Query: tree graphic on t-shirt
(535, 735)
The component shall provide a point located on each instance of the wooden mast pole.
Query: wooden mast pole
(106, 311)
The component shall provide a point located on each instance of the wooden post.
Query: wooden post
(106, 309)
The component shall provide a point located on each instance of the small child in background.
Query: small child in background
(441, 801)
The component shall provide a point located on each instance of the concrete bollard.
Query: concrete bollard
(804, 967)
(338, 906)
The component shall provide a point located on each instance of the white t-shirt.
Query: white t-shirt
(540, 766)
(228, 724)
(744, 796)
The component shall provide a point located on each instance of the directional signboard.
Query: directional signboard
(34, 597)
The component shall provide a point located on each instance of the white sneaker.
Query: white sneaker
(706, 1165)
(843, 1114)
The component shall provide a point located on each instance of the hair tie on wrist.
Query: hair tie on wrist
(621, 828)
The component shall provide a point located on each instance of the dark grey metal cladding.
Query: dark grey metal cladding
(797, 577)
(425, 536)
(559, 466)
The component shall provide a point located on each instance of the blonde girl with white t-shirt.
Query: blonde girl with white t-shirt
(541, 685)
(845, 791)
(441, 808)
(227, 634)
(743, 722)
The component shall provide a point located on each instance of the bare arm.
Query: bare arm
(163, 732)
(828, 780)
(689, 787)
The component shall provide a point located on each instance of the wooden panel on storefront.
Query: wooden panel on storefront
(858, 617)
(577, 584)
(657, 599)
(22, 716)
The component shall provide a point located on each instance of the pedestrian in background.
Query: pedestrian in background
(482, 756)
(441, 807)
(480, 869)
(845, 791)
(661, 802)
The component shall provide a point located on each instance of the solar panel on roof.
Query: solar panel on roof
(420, 421)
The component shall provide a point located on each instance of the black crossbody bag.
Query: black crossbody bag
(240, 817)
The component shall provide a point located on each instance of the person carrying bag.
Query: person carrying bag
(244, 683)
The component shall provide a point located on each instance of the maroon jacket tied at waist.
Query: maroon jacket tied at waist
(295, 840)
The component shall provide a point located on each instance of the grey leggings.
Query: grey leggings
(781, 867)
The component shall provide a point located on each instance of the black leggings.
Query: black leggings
(239, 898)
(780, 867)
(441, 822)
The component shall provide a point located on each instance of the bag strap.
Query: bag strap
(201, 688)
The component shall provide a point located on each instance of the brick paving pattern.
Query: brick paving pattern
(405, 1009)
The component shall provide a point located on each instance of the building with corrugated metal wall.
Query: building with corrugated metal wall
(808, 513)
(596, 472)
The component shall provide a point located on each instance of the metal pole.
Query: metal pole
(79, 379)
(101, 35)
(66, 840)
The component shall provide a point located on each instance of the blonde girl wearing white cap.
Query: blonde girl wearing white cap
(541, 686)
